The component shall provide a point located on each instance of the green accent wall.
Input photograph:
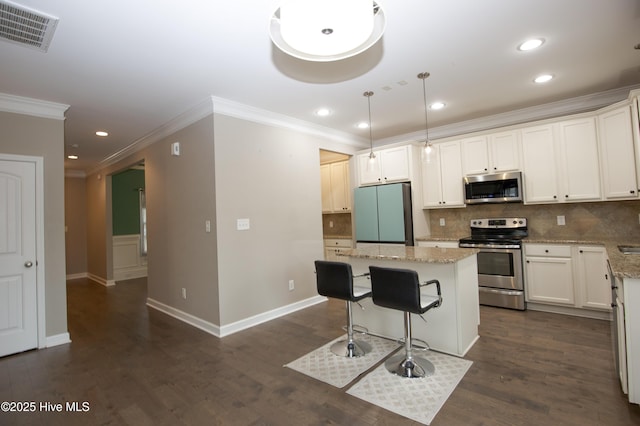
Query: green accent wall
(125, 201)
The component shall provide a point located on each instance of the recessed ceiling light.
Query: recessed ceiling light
(72, 157)
(102, 133)
(531, 44)
(323, 112)
(437, 105)
(543, 78)
(363, 125)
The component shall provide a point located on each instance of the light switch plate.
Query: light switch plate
(243, 224)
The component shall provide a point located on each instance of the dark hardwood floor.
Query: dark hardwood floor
(136, 366)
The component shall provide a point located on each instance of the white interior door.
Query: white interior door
(18, 292)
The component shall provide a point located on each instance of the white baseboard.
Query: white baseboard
(129, 273)
(77, 276)
(269, 315)
(566, 310)
(238, 325)
(100, 280)
(58, 339)
(185, 317)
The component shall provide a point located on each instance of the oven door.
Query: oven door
(500, 268)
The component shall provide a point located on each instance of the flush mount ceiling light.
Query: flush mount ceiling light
(328, 30)
(531, 44)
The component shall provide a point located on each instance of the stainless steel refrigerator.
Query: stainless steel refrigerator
(383, 214)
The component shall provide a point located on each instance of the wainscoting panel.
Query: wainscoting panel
(127, 261)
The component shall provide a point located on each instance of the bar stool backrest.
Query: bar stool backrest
(334, 279)
(396, 288)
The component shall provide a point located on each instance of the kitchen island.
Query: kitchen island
(451, 328)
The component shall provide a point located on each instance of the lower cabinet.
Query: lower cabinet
(595, 288)
(567, 275)
(440, 244)
(549, 274)
(333, 246)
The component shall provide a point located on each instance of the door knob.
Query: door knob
(28, 264)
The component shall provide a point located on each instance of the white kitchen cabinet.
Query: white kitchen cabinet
(578, 160)
(494, 153)
(593, 284)
(336, 191)
(438, 244)
(390, 165)
(549, 274)
(333, 246)
(442, 177)
(615, 134)
(539, 164)
(561, 162)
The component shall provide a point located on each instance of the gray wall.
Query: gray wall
(43, 137)
(75, 213)
(228, 169)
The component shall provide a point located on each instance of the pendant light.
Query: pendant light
(372, 155)
(427, 143)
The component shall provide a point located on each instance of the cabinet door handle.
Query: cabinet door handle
(546, 251)
(581, 251)
(528, 261)
(566, 196)
(633, 192)
(554, 197)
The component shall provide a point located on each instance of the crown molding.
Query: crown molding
(32, 107)
(198, 112)
(525, 115)
(72, 173)
(222, 106)
(257, 115)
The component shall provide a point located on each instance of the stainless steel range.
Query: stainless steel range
(500, 274)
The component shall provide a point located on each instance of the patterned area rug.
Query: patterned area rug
(416, 399)
(323, 365)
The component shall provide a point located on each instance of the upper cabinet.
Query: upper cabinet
(578, 160)
(336, 191)
(615, 134)
(493, 153)
(390, 165)
(560, 162)
(442, 177)
(539, 164)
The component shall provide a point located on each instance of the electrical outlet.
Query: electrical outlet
(561, 220)
(292, 285)
(442, 221)
(243, 224)
(330, 224)
(184, 293)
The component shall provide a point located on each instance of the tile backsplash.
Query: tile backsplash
(341, 224)
(612, 220)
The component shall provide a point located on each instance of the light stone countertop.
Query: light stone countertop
(409, 253)
(622, 265)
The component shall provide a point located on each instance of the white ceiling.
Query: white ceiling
(131, 66)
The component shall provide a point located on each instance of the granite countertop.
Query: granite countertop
(336, 237)
(409, 253)
(622, 265)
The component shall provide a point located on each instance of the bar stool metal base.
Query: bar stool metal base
(415, 367)
(353, 349)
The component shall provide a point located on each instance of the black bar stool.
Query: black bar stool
(399, 289)
(335, 279)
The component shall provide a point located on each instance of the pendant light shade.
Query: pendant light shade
(372, 155)
(427, 143)
(327, 30)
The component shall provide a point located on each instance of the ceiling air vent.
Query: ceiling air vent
(27, 27)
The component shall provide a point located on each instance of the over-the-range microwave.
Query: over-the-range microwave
(493, 188)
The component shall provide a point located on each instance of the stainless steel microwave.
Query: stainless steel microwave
(493, 188)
